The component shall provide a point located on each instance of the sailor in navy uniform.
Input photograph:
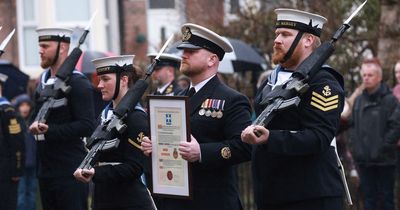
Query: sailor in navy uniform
(218, 114)
(11, 151)
(294, 164)
(164, 74)
(117, 177)
(60, 148)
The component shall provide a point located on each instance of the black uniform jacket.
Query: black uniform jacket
(172, 90)
(214, 180)
(298, 161)
(117, 180)
(63, 149)
(11, 142)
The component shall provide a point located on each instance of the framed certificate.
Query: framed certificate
(169, 125)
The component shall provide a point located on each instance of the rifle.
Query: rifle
(288, 94)
(51, 94)
(105, 136)
(5, 41)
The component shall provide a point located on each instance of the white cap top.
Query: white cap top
(300, 20)
(196, 37)
(54, 34)
(166, 56)
(105, 65)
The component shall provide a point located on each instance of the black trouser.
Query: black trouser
(65, 193)
(326, 203)
(8, 194)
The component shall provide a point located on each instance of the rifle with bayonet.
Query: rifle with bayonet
(5, 41)
(288, 94)
(51, 94)
(105, 137)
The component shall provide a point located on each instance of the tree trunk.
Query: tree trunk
(389, 37)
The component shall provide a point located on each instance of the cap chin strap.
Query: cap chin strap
(292, 47)
(57, 53)
(118, 78)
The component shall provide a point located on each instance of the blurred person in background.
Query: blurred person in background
(183, 82)
(374, 134)
(11, 151)
(28, 184)
(396, 93)
(164, 74)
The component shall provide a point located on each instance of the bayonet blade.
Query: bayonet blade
(164, 46)
(355, 13)
(6, 40)
(91, 20)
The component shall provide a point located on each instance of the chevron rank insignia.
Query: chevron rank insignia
(325, 101)
(14, 127)
(137, 142)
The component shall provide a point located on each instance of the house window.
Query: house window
(30, 16)
(162, 4)
(28, 37)
(80, 7)
(234, 6)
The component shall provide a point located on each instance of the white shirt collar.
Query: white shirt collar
(201, 84)
(161, 89)
(283, 76)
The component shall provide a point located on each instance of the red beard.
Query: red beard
(278, 55)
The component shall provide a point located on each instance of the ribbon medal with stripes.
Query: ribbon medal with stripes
(212, 108)
(325, 101)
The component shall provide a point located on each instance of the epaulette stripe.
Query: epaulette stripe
(324, 108)
(323, 98)
(325, 104)
(14, 129)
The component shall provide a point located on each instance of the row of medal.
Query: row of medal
(212, 107)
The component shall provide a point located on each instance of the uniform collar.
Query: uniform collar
(162, 89)
(201, 84)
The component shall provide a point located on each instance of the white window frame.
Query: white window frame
(44, 15)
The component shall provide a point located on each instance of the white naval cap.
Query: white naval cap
(54, 34)
(113, 64)
(166, 59)
(196, 37)
(300, 20)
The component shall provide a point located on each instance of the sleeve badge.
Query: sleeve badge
(14, 127)
(325, 101)
(136, 143)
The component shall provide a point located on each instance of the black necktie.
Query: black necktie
(191, 92)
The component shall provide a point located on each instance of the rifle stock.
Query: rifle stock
(111, 128)
(51, 95)
(288, 94)
(297, 84)
(107, 133)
